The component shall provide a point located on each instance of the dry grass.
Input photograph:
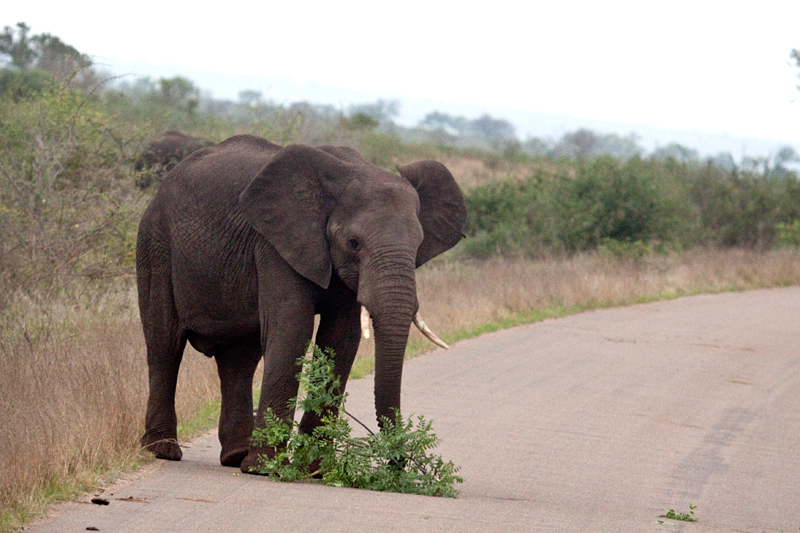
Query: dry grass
(474, 171)
(457, 296)
(73, 389)
(73, 385)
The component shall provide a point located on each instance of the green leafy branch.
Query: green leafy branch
(685, 517)
(397, 458)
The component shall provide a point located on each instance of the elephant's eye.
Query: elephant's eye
(354, 245)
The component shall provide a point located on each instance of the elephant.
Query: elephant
(164, 153)
(245, 242)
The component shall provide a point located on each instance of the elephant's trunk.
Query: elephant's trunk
(388, 291)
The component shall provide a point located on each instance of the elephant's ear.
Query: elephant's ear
(442, 209)
(289, 201)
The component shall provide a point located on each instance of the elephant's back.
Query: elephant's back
(196, 215)
(219, 172)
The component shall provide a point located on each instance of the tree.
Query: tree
(179, 92)
(250, 98)
(781, 161)
(723, 160)
(676, 152)
(382, 111)
(495, 130)
(579, 144)
(442, 122)
(537, 146)
(17, 46)
(44, 53)
(57, 57)
(584, 144)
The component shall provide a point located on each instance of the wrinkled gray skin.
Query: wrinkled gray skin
(246, 241)
(164, 153)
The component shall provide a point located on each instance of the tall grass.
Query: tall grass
(73, 387)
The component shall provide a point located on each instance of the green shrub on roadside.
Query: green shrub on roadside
(625, 249)
(17, 84)
(620, 201)
(788, 234)
(742, 210)
(396, 459)
(610, 205)
(509, 217)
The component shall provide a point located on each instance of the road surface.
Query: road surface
(596, 422)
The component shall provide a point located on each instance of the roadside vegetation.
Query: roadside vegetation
(555, 227)
(398, 458)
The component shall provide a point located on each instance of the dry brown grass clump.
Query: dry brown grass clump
(474, 171)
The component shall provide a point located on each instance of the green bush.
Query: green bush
(506, 217)
(630, 208)
(742, 210)
(396, 459)
(25, 83)
(788, 234)
(609, 199)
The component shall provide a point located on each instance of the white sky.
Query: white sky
(710, 66)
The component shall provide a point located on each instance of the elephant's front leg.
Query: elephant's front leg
(339, 330)
(290, 327)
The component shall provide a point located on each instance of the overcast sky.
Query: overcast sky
(710, 66)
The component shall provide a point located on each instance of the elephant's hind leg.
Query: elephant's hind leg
(236, 366)
(165, 343)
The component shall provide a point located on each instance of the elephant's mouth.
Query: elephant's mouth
(421, 325)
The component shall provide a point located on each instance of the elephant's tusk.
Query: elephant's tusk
(423, 327)
(365, 322)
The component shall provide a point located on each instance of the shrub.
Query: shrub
(788, 234)
(742, 210)
(614, 205)
(606, 200)
(395, 459)
(498, 217)
(619, 201)
(65, 206)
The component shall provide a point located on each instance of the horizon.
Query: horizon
(708, 70)
(528, 124)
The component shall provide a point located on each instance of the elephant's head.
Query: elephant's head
(327, 210)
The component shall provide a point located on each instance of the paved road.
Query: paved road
(596, 422)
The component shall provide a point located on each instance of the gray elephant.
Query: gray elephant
(246, 241)
(164, 153)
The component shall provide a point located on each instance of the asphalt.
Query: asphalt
(596, 422)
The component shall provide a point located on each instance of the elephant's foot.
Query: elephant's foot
(314, 470)
(233, 457)
(250, 462)
(163, 448)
